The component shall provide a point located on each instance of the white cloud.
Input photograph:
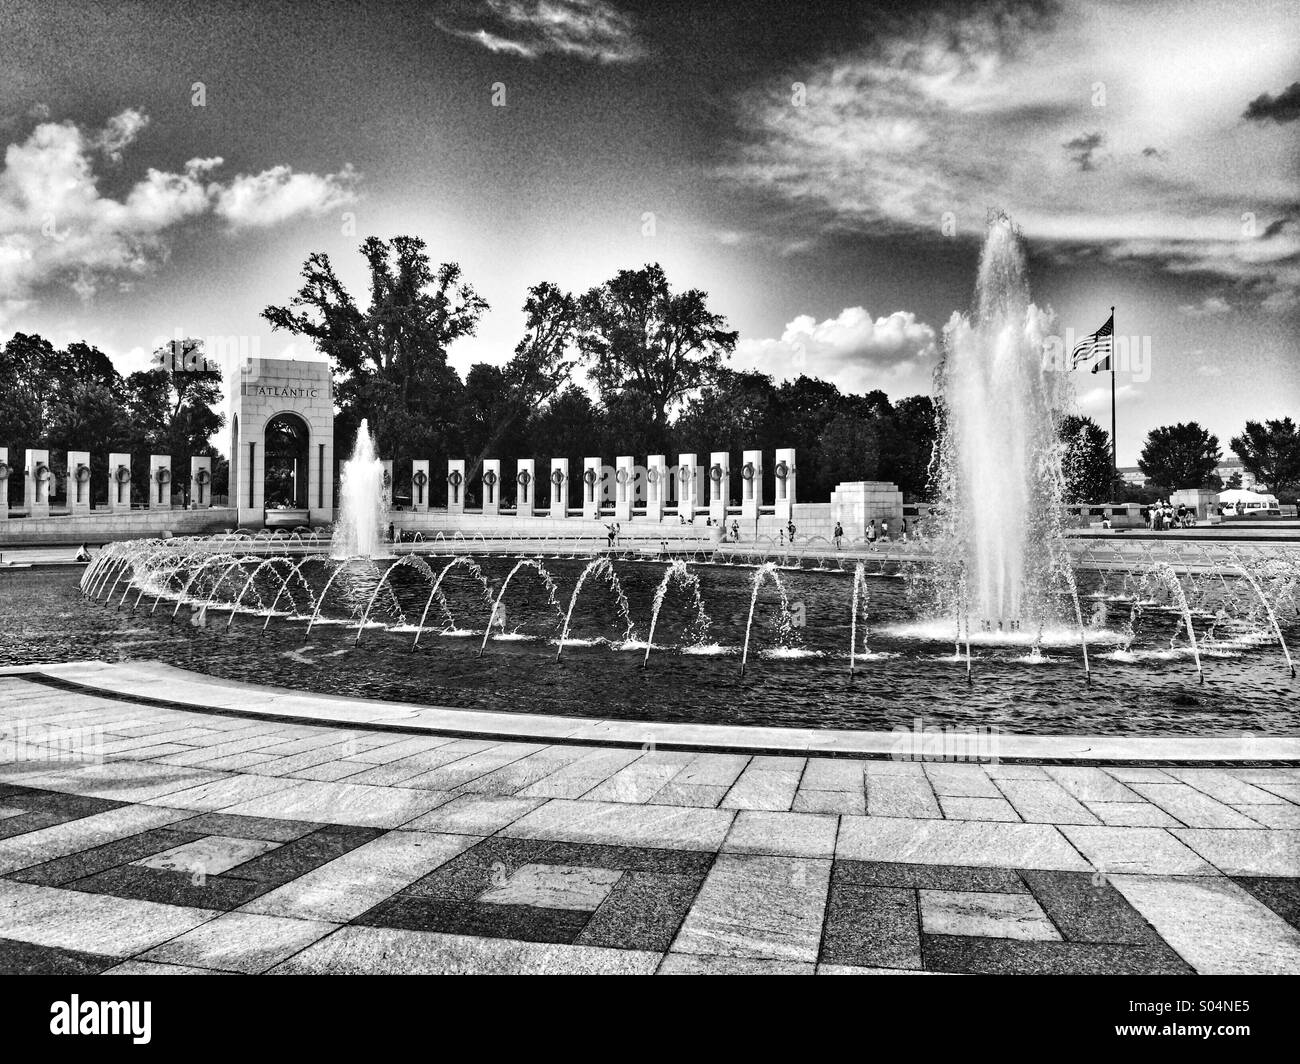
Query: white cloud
(853, 350)
(278, 194)
(56, 227)
(1210, 306)
(591, 30)
(939, 118)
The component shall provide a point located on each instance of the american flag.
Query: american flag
(1098, 343)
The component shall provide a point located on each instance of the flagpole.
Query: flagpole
(1114, 460)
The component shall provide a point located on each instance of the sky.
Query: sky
(824, 171)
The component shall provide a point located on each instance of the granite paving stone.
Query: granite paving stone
(983, 913)
(1217, 927)
(785, 834)
(1261, 852)
(871, 926)
(351, 883)
(758, 906)
(643, 911)
(240, 942)
(367, 950)
(1146, 851)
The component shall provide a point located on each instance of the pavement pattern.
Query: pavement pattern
(142, 839)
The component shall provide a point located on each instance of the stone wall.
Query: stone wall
(104, 526)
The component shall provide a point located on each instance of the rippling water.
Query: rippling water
(796, 675)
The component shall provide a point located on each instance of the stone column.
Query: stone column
(78, 492)
(420, 485)
(160, 482)
(119, 482)
(656, 487)
(785, 483)
(387, 491)
(624, 472)
(200, 483)
(456, 485)
(686, 477)
(719, 484)
(591, 470)
(559, 488)
(4, 483)
(490, 481)
(751, 486)
(37, 483)
(525, 487)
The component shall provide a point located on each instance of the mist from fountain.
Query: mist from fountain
(999, 462)
(358, 529)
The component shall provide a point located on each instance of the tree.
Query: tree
(1180, 456)
(850, 449)
(172, 407)
(908, 446)
(1271, 451)
(733, 412)
(542, 364)
(643, 341)
(1085, 459)
(390, 360)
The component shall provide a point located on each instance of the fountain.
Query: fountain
(999, 466)
(358, 531)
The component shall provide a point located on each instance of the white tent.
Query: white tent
(1243, 500)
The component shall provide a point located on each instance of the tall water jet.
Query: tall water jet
(999, 461)
(358, 530)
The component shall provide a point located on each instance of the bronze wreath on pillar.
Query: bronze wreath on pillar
(590, 476)
(716, 473)
(203, 476)
(747, 471)
(684, 474)
(622, 474)
(123, 474)
(388, 479)
(557, 477)
(42, 473)
(163, 475)
(489, 481)
(4, 470)
(524, 478)
(82, 474)
(652, 475)
(455, 478)
(421, 478)
(782, 470)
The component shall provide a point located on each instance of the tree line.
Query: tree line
(654, 362)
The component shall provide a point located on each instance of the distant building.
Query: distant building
(1134, 477)
(1230, 466)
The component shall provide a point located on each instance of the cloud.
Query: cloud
(278, 194)
(591, 30)
(57, 227)
(940, 116)
(1284, 107)
(1083, 149)
(1210, 306)
(853, 350)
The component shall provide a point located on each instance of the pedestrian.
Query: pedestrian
(839, 534)
(83, 554)
(735, 531)
(790, 529)
(871, 533)
(609, 535)
(884, 530)
(904, 529)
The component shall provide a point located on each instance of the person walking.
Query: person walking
(735, 531)
(884, 530)
(790, 529)
(871, 533)
(839, 534)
